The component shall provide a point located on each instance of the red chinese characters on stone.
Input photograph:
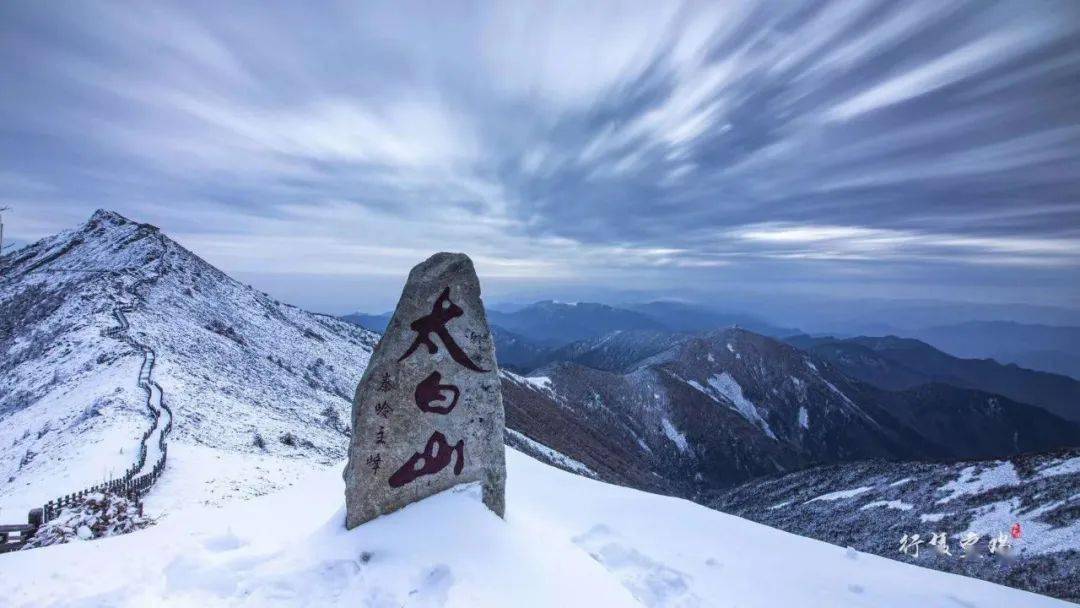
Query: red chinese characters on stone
(435, 457)
(442, 313)
(429, 391)
(431, 396)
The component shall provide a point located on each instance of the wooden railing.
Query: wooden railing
(23, 532)
(131, 483)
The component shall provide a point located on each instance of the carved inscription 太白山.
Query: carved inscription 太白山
(426, 416)
(429, 391)
(442, 313)
(436, 455)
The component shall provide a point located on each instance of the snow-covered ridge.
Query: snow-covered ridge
(547, 454)
(261, 391)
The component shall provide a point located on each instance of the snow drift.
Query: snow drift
(567, 541)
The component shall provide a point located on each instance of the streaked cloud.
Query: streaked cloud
(882, 245)
(661, 144)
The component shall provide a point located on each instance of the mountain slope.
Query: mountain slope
(871, 505)
(243, 374)
(618, 351)
(720, 408)
(603, 442)
(566, 541)
(900, 363)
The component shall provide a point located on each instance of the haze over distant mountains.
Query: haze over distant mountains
(533, 335)
(896, 363)
(1050, 348)
(555, 323)
(879, 316)
(528, 336)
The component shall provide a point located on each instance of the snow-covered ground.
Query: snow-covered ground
(567, 541)
(74, 414)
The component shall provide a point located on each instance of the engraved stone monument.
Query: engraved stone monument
(428, 414)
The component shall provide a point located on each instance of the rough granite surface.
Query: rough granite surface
(428, 413)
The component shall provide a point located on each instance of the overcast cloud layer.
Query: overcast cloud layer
(897, 149)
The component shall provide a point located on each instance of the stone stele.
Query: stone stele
(428, 414)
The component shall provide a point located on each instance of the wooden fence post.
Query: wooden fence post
(35, 518)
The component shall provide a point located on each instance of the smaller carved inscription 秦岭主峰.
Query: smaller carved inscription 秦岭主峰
(373, 461)
(385, 385)
(383, 409)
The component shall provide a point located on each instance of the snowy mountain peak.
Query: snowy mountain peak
(112, 217)
(107, 242)
(261, 390)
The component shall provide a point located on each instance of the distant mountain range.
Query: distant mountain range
(555, 323)
(715, 409)
(1050, 348)
(903, 363)
(678, 316)
(890, 362)
(376, 323)
(917, 383)
(547, 331)
(536, 334)
(847, 317)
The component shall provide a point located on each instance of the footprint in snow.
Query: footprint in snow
(651, 582)
(433, 589)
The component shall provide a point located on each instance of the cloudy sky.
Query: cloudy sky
(577, 150)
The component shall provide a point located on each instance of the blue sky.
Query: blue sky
(574, 150)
